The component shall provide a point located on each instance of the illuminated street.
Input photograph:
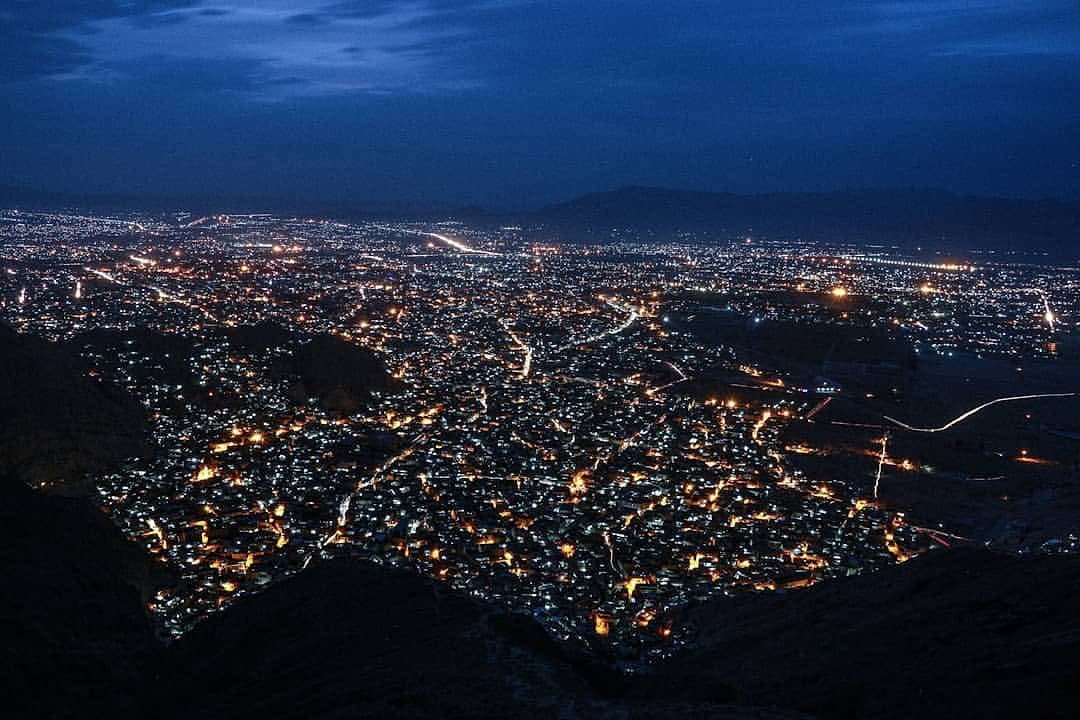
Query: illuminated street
(550, 437)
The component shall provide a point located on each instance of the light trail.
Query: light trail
(679, 370)
(520, 345)
(87, 218)
(345, 503)
(1049, 316)
(161, 294)
(458, 245)
(611, 554)
(937, 531)
(818, 408)
(683, 377)
(614, 331)
(940, 540)
(947, 267)
(104, 275)
(1048, 313)
(881, 464)
(974, 410)
(855, 424)
(169, 297)
(756, 429)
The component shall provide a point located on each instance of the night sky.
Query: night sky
(511, 103)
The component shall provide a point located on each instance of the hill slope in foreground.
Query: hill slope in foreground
(55, 422)
(955, 634)
(344, 639)
(965, 632)
(950, 634)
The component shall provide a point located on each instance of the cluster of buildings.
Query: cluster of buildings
(554, 438)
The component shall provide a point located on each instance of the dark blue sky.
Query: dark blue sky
(516, 103)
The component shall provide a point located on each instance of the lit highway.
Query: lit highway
(961, 418)
(460, 246)
(555, 434)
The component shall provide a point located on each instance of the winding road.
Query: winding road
(961, 418)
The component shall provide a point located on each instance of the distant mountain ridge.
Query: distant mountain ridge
(907, 217)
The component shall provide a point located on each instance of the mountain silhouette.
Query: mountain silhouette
(910, 218)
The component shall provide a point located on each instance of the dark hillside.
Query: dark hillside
(910, 218)
(56, 423)
(952, 634)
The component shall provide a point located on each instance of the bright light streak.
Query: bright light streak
(756, 429)
(460, 246)
(979, 408)
(881, 464)
(1049, 315)
(519, 344)
(103, 275)
(614, 331)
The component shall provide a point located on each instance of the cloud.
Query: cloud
(338, 47)
(301, 47)
(957, 28)
(32, 39)
(771, 93)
